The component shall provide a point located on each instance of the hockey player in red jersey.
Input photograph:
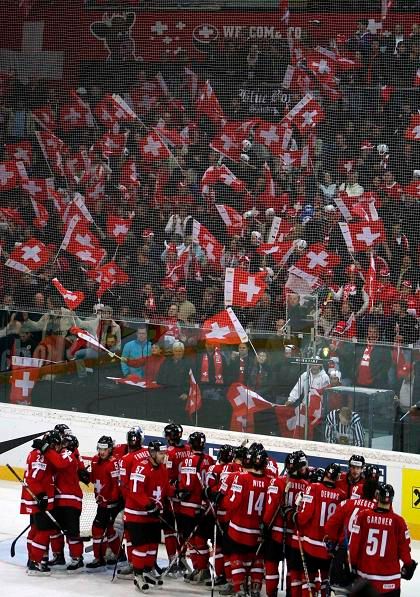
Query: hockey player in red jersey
(135, 438)
(148, 488)
(378, 543)
(38, 498)
(104, 476)
(339, 527)
(352, 481)
(176, 452)
(245, 504)
(193, 508)
(314, 508)
(67, 503)
(83, 473)
(272, 470)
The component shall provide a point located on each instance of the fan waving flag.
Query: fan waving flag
(107, 276)
(360, 236)
(208, 104)
(72, 299)
(276, 137)
(233, 220)
(243, 289)
(280, 252)
(194, 400)
(152, 147)
(208, 243)
(12, 174)
(21, 151)
(224, 328)
(245, 403)
(25, 373)
(118, 228)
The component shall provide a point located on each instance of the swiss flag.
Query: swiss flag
(12, 174)
(413, 130)
(152, 147)
(194, 400)
(112, 143)
(275, 136)
(72, 299)
(224, 328)
(229, 179)
(39, 188)
(107, 276)
(170, 135)
(209, 178)
(118, 228)
(95, 192)
(243, 289)
(286, 420)
(84, 245)
(129, 174)
(233, 220)
(25, 373)
(245, 403)
(298, 422)
(74, 115)
(284, 12)
(113, 109)
(361, 236)
(320, 65)
(21, 152)
(137, 381)
(291, 159)
(50, 144)
(45, 117)
(306, 114)
(226, 142)
(208, 243)
(280, 252)
(208, 104)
(28, 256)
(317, 259)
(41, 214)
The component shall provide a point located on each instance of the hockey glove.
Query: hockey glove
(42, 501)
(183, 494)
(287, 513)
(407, 571)
(265, 532)
(153, 509)
(84, 476)
(330, 545)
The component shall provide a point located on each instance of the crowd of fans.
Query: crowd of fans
(360, 151)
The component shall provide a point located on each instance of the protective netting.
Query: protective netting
(164, 161)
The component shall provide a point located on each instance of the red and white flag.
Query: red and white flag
(112, 143)
(224, 328)
(118, 228)
(245, 404)
(243, 289)
(74, 115)
(12, 175)
(209, 244)
(275, 136)
(136, 381)
(112, 109)
(280, 252)
(301, 282)
(361, 236)
(284, 12)
(41, 214)
(84, 245)
(194, 400)
(229, 179)
(306, 114)
(20, 152)
(25, 373)
(45, 117)
(371, 281)
(152, 147)
(192, 82)
(317, 259)
(28, 256)
(107, 276)
(227, 144)
(72, 298)
(39, 188)
(208, 104)
(413, 189)
(233, 220)
(209, 178)
(129, 174)
(413, 130)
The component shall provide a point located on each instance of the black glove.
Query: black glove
(287, 513)
(265, 532)
(217, 497)
(182, 494)
(84, 476)
(153, 509)
(42, 501)
(330, 545)
(407, 571)
(37, 443)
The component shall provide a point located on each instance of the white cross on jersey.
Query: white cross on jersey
(308, 118)
(73, 115)
(5, 175)
(159, 28)
(217, 332)
(32, 187)
(31, 253)
(152, 146)
(25, 384)
(244, 398)
(316, 259)
(157, 493)
(120, 229)
(416, 131)
(270, 136)
(367, 236)
(98, 487)
(250, 289)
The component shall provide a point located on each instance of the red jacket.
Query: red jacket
(105, 478)
(39, 478)
(148, 485)
(67, 486)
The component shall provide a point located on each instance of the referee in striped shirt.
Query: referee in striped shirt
(343, 426)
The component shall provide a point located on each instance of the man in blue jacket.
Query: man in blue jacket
(135, 349)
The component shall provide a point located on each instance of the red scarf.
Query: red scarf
(218, 373)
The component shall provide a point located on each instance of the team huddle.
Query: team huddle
(311, 531)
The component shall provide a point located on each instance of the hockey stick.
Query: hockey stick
(211, 507)
(305, 567)
(213, 576)
(31, 493)
(286, 491)
(12, 547)
(273, 518)
(114, 572)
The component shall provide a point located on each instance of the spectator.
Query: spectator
(186, 309)
(136, 349)
(240, 365)
(343, 426)
(174, 375)
(372, 362)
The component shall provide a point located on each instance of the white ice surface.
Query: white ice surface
(15, 582)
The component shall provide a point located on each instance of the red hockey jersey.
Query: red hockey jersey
(245, 504)
(175, 455)
(339, 526)
(319, 503)
(39, 479)
(148, 485)
(105, 478)
(277, 496)
(125, 464)
(351, 489)
(192, 477)
(66, 479)
(378, 542)
(294, 487)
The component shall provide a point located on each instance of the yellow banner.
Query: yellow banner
(410, 500)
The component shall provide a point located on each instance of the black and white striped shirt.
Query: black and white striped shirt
(336, 433)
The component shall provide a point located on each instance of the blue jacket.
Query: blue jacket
(135, 350)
